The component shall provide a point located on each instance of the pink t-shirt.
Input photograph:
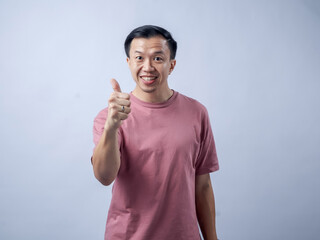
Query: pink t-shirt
(163, 146)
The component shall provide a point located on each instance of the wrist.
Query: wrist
(111, 127)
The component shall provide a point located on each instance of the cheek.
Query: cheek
(163, 67)
(133, 67)
(136, 66)
(166, 68)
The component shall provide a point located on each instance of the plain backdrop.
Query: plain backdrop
(255, 65)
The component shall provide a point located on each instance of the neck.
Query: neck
(152, 97)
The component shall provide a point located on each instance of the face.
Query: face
(150, 64)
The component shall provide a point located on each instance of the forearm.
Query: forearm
(205, 206)
(106, 157)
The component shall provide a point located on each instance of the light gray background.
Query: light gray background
(253, 64)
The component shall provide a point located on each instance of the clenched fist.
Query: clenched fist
(118, 107)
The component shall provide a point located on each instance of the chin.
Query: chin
(148, 90)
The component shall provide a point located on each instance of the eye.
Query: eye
(138, 57)
(158, 59)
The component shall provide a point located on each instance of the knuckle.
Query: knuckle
(113, 106)
(125, 95)
(113, 97)
(111, 100)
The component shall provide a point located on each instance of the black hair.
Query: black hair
(149, 31)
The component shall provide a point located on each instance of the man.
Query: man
(158, 146)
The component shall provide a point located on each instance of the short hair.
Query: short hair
(149, 31)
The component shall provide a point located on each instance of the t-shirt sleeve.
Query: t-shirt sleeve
(98, 128)
(207, 160)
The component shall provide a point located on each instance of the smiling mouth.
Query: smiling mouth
(148, 80)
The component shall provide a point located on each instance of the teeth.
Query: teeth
(148, 78)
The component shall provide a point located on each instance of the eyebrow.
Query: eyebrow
(157, 52)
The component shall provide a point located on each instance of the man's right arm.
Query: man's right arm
(106, 157)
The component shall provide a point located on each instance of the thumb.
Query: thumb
(115, 85)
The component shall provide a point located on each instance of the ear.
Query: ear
(128, 59)
(172, 65)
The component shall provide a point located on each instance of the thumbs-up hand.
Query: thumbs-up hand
(118, 107)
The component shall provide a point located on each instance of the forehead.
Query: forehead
(153, 44)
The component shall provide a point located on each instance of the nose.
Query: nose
(147, 65)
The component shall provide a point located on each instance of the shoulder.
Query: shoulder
(192, 104)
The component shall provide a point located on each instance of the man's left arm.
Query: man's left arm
(205, 206)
